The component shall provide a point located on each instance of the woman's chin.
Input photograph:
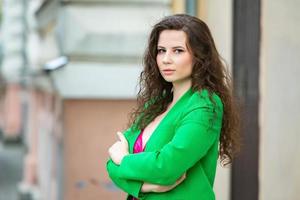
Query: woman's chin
(169, 80)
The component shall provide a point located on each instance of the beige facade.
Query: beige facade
(279, 111)
(12, 64)
(90, 128)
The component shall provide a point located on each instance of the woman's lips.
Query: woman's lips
(168, 71)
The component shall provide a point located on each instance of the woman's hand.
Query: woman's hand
(148, 187)
(119, 149)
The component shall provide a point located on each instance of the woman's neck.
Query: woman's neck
(180, 88)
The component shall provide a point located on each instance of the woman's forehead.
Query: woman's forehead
(172, 38)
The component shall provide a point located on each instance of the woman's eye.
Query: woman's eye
(160, 50)
(178, 51)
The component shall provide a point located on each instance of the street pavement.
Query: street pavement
(11, 164)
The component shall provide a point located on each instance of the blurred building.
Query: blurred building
(67, 115)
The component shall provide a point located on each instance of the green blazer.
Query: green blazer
(186, 140)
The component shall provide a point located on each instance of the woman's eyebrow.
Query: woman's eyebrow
(172, 47)
(176, 47)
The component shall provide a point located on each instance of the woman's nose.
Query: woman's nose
(167, 58)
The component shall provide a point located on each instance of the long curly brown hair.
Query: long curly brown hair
(209, 72)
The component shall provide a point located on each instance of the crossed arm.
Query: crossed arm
(117, 152)
(155, 171)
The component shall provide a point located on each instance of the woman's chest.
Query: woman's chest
(159, 132)
(151, 127)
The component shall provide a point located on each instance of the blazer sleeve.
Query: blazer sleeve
(195, 134)
(131, 187)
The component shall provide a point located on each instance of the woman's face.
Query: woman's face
(174, 60)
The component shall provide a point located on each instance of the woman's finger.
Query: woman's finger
(181, 179)
(121, 137)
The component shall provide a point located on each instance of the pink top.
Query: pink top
(138, 147)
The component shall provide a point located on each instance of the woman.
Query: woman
(184, 120)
